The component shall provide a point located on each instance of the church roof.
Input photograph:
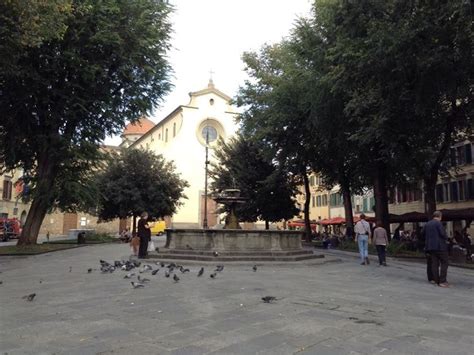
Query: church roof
(211, 88)
(142, 126)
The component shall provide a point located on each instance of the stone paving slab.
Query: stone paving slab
(322, 308)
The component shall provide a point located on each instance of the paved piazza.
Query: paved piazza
(330, 306)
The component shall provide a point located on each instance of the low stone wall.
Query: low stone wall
(233, 240)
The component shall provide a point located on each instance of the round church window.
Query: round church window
(209, 134)
(209, 131)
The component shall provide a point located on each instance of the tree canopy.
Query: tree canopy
(242, 164)
(135, 181)
(69, 91)
(368, 93)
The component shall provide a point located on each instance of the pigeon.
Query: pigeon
(117, 263)
(89, 270)
(147, 267)
(137, 263)
(162, 264)
(172, 265)
(183, 270)
(167, 274)
(213, 275)
(136, 285)
(104, 263)
(201, 272)
(1, 282)
(175, 278)
(219, 268)
(254, 268)
(154, 272)
(70, 268)
(268, 299)
(142, 280)
(30, 297)
(129, 275)
(215, 253)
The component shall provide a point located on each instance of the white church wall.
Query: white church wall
(187, 149)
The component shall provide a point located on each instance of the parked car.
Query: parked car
(158, 228)
(9, 228)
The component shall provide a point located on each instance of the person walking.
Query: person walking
(362, 231)
(437, 249)
(144, 234)
(380, 240)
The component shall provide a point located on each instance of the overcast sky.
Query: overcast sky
(213, 34)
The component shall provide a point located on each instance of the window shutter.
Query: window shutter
(468, 154)
(454, 191)
(452, 156)
(470, 189)
(439, 193)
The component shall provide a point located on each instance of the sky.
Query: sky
(211, 35)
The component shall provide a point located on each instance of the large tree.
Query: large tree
(333, 156)
(135, 181)
(68, 92)
(242, 163)
(277, 113)
(406, 68)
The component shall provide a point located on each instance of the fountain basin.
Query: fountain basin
(222, 240)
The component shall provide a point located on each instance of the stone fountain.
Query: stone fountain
(233, 243)
(231, 198)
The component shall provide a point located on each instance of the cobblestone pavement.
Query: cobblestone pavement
(330, 306)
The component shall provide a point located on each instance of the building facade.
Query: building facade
(181, 137)
(454, 191)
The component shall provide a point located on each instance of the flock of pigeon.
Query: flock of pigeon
(132, 267)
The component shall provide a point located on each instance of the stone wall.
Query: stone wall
(234, 240)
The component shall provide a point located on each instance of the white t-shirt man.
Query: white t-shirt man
(362, 228)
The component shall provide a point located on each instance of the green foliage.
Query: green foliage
(406, 67)
(28, 23)
(67, 90)
(242, 164)
(136, 181)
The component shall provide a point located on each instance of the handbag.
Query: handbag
(151, 246)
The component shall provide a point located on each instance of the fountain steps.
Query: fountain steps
(235, 256)
(237, 252)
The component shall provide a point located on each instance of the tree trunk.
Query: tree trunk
(307, 223)
(431, 178)
(381, 199)
(267, 225)
(134, 225)
(347, 199)
(42, 201)
(430, 194)
(29, 234)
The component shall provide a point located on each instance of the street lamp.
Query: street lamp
(206, 163)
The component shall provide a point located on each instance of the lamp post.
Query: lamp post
(206, 163)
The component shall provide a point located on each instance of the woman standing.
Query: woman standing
(144, 234)
(381, 241)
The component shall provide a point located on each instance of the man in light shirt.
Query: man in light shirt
(362, 231)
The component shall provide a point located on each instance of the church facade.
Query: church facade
(181, 137)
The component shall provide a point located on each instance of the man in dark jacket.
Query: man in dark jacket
(437, 249)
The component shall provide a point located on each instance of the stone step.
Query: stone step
(220, 258)
(237, 253)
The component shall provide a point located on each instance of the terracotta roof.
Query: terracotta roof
(142, 126)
